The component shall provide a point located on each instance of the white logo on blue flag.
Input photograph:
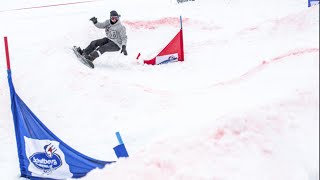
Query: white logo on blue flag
(46, 159)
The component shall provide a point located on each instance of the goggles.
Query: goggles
(114, 18)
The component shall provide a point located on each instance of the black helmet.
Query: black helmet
(114, 13)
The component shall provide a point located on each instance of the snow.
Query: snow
(243, 105)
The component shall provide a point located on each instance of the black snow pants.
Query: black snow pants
(103, 45)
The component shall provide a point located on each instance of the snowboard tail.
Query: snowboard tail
(82, 59)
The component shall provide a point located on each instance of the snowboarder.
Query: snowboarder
(116, 38)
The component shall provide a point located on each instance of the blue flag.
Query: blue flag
(42, 155)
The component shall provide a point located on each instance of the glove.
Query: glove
(94, 20)
(123, 50)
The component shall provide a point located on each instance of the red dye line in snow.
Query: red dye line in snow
(264, 63)
(153, 24)
(35, 7)
(169, 21)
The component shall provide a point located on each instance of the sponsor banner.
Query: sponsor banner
(183, 1)
(46, 159)
(167, 58)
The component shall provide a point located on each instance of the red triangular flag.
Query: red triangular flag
(171, 53)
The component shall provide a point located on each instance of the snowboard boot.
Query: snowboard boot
(92, 56)
(79, 50)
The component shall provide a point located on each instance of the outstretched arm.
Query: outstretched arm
(99, 25)
(102, 25)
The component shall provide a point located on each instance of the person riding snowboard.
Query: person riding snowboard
(115, 39)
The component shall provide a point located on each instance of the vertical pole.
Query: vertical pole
(7, 52)
(181, 40)
(119, 138)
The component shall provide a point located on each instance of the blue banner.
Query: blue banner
(42, 155)
(312, 2)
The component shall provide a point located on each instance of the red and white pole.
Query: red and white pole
(7, 52)
(138, 56)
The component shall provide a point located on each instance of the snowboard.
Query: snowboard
(82, 59)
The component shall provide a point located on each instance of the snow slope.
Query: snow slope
(243, 105)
